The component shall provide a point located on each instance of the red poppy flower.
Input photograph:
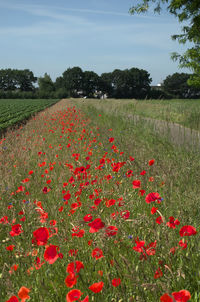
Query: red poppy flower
(111, 230)
(41, 236)
(141, 192)
(136, 184)
(77, 232)
(139, 246)
(74, 267)
(151, 162)
(10, 247)
(159, 220)
(45, 190)
(158, 273)
(97, 253)
(116, 282)
(166, 298)
(23, 293)
(87, 217)
(71, 280)
(110, 203)
(50, 254)
(153, 210)
(111, 139)
(182, 296)
(183, 244)
(4, 220)
(125, 214)
(67, 196)
(152, 197)
(172, 222)
(13, 299)
(73, 295)
(129, 173)
(16, 230)
(117, 166)
(96, 225)
(96, 287)
(187, 230)
(97, 201)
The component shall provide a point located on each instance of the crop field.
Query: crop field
(97, 208)
(14, 111)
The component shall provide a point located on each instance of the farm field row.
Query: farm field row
(13, 111)
(95, 208)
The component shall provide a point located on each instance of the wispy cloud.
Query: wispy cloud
(50, 11)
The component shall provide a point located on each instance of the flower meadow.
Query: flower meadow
(83, 220)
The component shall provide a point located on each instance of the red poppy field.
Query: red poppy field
(85, 217)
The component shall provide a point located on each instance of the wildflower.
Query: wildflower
(74, 267)
(96, 287)
(187, 230)
(23, 293)
(151, 162)
(97, 253)
(41, 236)
(50, 254)
(73, 295)
(152, 197)
(116, 282)
(136, 184)
(16, 230)
(96, 225)
(13, 299)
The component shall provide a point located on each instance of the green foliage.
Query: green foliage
(184, 10)
(14, 79)
(177, 86)
(91, 83)
(46, 85)
(73, 80)
(128, 83)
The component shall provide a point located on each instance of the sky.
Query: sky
(98, 35)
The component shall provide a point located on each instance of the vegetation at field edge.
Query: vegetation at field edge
(183, 112)
(95, 208)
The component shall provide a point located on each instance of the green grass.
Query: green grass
(13, 111)
(67, 137)
(183, 112)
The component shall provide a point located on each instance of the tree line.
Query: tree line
(74, 82)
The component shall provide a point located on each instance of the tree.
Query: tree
(14, 79)
(139, 83)
(90, 83)
(128, 83)
(7, 80)
(184, 10)
(73, 80)
(46, 85)
(177, 86)
(105, 83)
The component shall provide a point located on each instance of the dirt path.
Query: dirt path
(175, 133)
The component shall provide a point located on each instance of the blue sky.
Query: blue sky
(99, 35)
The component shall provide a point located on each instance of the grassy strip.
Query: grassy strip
(61, 167)
(183, 112)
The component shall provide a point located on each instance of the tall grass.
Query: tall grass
(183, 112)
